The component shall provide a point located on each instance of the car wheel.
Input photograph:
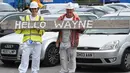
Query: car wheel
(51, 56)
(7, 62)
(125, 64)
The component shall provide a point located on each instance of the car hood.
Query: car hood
(98, 40)
(17, 38)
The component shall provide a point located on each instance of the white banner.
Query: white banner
(13, 24)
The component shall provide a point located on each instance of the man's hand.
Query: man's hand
(57, 44)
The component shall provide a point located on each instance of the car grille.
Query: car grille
(9, 57)
(87, 60)
(9, 49)
(88, 48)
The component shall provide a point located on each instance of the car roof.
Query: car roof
(112, 14)
(12, 13)
(58, 15)
(1, 3)
(84, 9)
(123, 3)
(78, 9)
(125, 10)
(9, 14)
(96, 6)
(60, 4)
(117, 4)
(118, 14)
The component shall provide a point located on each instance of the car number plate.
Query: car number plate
(8, 51)
(87, 55)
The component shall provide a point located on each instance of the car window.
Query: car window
(87, 17)
(45, 12)
(10, 17)
(92, 11)
(107, 9)
(15, 17)
(114, 8)
(99, 13)
(118, 7)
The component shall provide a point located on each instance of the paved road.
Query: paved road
(55, 69)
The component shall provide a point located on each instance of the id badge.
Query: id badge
(30, 42)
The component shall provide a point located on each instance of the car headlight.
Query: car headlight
(111, 45)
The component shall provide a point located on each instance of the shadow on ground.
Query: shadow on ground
(97, 69)
(80, 69)
(16, 65)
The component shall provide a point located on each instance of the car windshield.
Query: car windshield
(89, 17)
(117, 7)
(106, 31)
(5, 7)
(115, 18)
(75, 10)
(107, 9)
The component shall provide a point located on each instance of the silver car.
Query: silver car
(11, 43)
(106, 47)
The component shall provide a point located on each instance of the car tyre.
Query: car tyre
(125, 64)
(51, 56)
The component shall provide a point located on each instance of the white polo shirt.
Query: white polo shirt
(66, 36)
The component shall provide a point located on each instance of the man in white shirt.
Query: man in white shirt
(68, 40)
